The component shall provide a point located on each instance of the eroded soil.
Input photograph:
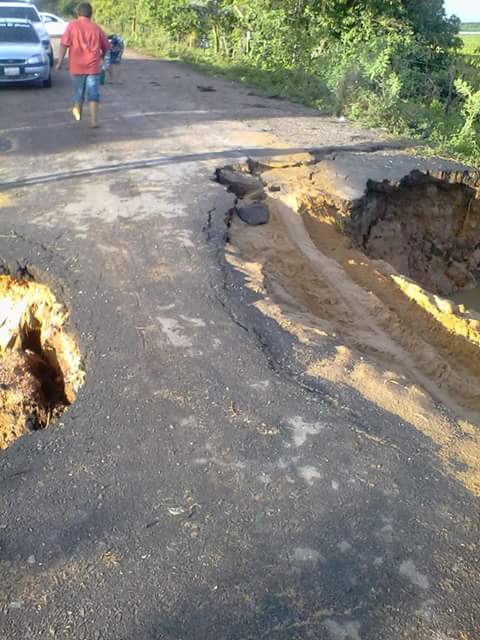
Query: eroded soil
(40, 364)
(366, 275)
(426, 228)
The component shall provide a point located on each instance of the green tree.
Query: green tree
(60, 7)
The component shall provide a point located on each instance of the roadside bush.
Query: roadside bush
(466, 140)
(395, 65)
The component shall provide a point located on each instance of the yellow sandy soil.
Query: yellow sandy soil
(36, 356)
(421, 350)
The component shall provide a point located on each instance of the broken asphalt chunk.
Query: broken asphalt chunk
(253, 214)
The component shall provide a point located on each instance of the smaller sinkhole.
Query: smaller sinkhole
(40, 362)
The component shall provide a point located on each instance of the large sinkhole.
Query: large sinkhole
(426, 228)
(390, 271)
(40, 363)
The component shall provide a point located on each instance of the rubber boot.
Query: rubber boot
(77, 112)
(94, 114)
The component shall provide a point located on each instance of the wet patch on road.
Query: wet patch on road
(40, 363)
(124, 189)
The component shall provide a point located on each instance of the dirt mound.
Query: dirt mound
(40, 364)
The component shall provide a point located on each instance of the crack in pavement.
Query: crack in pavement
(131, 165)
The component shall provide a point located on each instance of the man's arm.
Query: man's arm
(62, 53)
(65, 43)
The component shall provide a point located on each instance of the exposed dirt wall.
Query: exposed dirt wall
(40, 364)
(427, 227)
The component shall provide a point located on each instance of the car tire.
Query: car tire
(47, 84)
(52, 59)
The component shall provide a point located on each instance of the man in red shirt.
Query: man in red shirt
(87, 45)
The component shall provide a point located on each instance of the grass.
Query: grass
(471, 44)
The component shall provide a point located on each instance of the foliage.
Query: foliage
(471, 44)
(396, 64)
(466, 139)
(60, 7)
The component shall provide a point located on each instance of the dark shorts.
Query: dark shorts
(86, 87)
(114, 57)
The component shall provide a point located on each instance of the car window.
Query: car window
(26, 13)
(11, 32)
(48, 18)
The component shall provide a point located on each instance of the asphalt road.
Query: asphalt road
(197, 489)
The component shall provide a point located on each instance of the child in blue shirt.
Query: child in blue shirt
(114, 57)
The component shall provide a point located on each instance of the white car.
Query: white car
(55, 26)
(27, 11)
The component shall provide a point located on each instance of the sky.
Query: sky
(466, 10)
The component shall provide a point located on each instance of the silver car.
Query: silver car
(23, 58)
(25, 10)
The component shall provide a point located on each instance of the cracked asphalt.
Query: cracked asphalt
(198, 488)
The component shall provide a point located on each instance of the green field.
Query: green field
(470, 26)
(471, 43)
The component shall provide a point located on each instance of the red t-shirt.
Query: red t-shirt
(86, 43)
